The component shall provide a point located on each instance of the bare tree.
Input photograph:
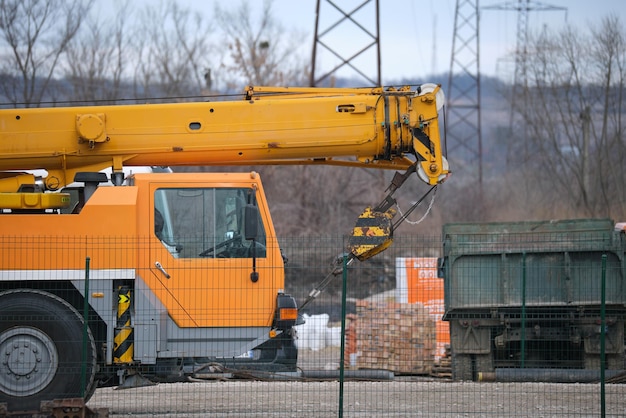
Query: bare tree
(319, 199)
(173, 51)
(260, 52)
(96, 59)
(574, 133)
(609, 52)
(37, 33)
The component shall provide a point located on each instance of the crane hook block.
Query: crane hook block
(372, 234)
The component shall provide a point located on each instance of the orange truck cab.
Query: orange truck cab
(179, 271)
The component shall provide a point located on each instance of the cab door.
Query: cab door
(205, 267)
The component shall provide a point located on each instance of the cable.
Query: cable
(430, 206)
(412, 208)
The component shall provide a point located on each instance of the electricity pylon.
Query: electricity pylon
(464, 137)
(520, 80)
(346, 59)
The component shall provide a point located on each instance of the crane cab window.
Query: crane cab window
(209, 222)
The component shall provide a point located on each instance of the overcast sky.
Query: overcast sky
(416, 35)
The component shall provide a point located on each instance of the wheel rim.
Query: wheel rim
(29, 361)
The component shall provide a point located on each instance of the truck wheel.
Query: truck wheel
(484, 363)
(462, 367)
(41, 347)
(613, 361)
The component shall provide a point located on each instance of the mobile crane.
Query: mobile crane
(160, 274)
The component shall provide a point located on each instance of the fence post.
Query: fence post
(83, 368)
(344, 279)
(602, 338)
(523, 324)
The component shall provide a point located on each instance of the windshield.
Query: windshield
(208, 222)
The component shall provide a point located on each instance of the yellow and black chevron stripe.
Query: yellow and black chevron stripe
(123, 338)
(372, 234)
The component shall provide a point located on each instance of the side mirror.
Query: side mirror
(251, 226)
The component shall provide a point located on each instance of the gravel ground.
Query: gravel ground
(401, 397)
(360, 399)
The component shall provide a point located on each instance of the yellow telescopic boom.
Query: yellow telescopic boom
(367, 127)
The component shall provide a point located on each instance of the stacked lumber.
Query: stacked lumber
(443, 365)
(399, 337)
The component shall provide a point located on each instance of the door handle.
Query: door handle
(161, 269)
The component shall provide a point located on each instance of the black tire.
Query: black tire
(612, 361)
(484, 364)
(462, 367)
(41, 347)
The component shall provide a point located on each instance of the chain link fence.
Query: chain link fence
(470, 323)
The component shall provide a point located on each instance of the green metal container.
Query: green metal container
(529, 294)
(483, 263)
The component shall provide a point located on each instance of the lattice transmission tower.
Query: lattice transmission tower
(520, 80)
(346, 53)
(464, 137)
